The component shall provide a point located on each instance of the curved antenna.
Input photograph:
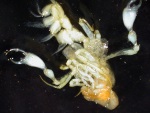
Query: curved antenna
(35, 15)
(38, 10)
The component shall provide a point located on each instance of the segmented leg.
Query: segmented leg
(89, 30)
(63, 81)
(129, 16)
(129, 51)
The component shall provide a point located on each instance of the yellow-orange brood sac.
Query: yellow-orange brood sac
(102, 95)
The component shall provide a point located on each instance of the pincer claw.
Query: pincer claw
(15, 50)
(29, 59)
(130, 13)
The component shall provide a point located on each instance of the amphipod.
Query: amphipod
(91, 72)
(87, 62)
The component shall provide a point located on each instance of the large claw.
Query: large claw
(130, 13)
(33, 60)
(30, 59)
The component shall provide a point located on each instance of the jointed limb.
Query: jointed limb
(63, 81)
(130, 51)
(91, 33)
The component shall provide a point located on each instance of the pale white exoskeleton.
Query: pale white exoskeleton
(32, 60)
(129, 15)
(88, 61)
(59, 26)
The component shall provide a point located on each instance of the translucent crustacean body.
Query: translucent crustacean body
(87, 61)
(92, 73)
(61, 28)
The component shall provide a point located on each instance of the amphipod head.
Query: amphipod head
(130, 13)
(105, 97)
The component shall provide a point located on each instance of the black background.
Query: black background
(22, 91)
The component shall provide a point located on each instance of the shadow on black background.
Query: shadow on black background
(22, 91)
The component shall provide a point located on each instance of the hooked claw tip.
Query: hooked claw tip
(15, 50)
(134, 4)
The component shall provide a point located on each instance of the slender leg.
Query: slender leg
(35, 25)
(130, 51)
(47, 38)
(63, 81)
